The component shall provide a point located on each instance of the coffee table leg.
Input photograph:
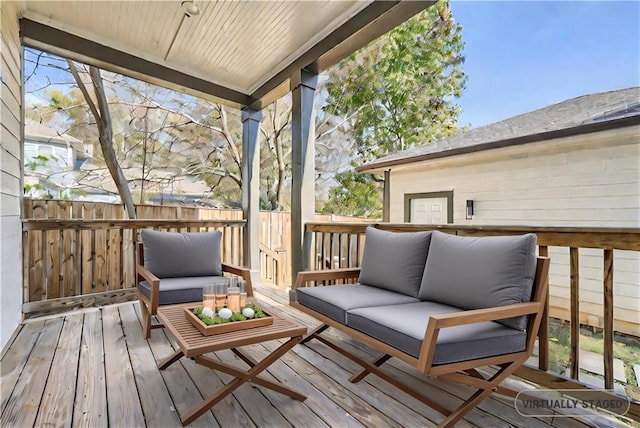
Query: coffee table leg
(242, 377)
(233, 371)
(170, 360)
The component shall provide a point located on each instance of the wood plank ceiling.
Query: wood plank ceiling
(245, 47)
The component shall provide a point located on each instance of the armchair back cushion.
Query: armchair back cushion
(476, 273)
(177, 255)
(394, 260)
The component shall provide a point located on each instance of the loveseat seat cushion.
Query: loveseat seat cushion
(394, 260)
(181, 290)
(480, 272)
(403, 327)
(334, 301)
(177, 255)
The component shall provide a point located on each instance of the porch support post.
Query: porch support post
(303, 88)
(251, 187)
(386, 197)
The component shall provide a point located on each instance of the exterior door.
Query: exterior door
(429, 211)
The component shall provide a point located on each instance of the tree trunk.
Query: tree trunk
(103, 120)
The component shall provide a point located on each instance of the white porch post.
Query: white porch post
(303, 87)
(251, 186)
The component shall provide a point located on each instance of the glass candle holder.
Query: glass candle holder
(233, 295)
(209, 297)
(242, 285)
(220, 295)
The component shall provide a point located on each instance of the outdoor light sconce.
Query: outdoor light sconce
(469, 212)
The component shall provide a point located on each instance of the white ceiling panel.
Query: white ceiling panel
(236, 44)
(239, 52)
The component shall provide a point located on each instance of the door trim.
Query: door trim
(446, 194)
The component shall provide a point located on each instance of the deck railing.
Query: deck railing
(69, 258)
(341, 244)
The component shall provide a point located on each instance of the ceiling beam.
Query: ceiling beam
(68, 45)
(370, 23)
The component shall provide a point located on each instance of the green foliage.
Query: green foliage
(399, 90)
(39, 161)
(28, 187)
(236, 316)
(356, 194)
(625, 348)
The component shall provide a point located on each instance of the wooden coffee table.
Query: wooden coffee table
(194, 344)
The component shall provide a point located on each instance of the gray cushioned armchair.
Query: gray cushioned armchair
(173, 267)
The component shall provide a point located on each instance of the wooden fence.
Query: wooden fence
(79, 248)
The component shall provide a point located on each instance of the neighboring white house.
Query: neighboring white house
(575, 163)
(52, 161)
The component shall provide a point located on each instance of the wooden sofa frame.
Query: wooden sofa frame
(149, 306)
(461, 372)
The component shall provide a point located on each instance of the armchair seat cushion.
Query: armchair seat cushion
(404, 327)
(181, 290)
(334, 301)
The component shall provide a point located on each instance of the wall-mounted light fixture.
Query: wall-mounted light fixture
(469, 211)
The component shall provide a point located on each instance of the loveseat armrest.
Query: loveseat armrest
(243, 272)
(481, 315)
(325, 275)
(440, 321)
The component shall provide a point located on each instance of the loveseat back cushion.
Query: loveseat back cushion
(181, 290)
(394, 260)
(480, 272)
(177, 255)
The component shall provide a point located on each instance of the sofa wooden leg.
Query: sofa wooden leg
(486, 386)
(364, 372)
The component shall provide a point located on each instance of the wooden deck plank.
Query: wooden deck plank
(56, 407)
(91, 396)
(184, 394)
(118, 383)
(353, 405)
(260, 410)
(15, 357)
(124, 407)
(388, 400)
(22, 407)
(154, 398)
(317, 401)
(291, 410)
(229, 412)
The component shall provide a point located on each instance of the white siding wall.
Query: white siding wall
(591, 180)
(10, 172)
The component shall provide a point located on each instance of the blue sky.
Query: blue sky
(521, 56)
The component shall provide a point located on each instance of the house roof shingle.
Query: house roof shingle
(587, 113)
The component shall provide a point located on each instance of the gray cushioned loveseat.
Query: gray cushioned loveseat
(445, 304)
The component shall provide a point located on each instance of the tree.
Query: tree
(398, 92)
(100, 111)
(159, 136)
(355, 194)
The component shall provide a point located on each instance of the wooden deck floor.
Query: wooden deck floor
(92, 368)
